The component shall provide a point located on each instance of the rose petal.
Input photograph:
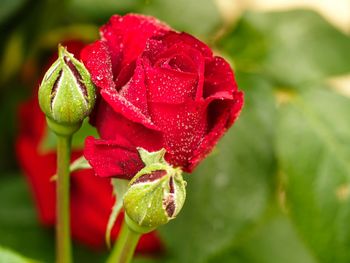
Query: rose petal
(169, 86)
(127, 109)
(42, 188)
(150, 242)
(90, 231)
(125, 75)
(183, 125)
(127, 35)
(221, 115)
(135, 91)
(173, 38)
(112, 125)
(112, 158)
(178, 62)
(218, 77)
(177, 54)
(87, 188)
(96, 58)
(121, 137)
(33, 123)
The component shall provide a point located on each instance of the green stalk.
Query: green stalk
(124, 248)
(63, 241)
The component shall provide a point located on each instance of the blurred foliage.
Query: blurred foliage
(8, 8)
(8, 256)
(313, 147)
(275, 190)
(199, 17)
(294, 47)
(20, 229)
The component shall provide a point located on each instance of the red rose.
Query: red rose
(159, 88)
(91, 196)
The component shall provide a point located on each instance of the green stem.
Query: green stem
(63, 242)
(124, 248)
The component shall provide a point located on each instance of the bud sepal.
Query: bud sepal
(156, 194)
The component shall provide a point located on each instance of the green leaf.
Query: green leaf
(231, 189)
(79, 164)
(274, 240)
(120, 186)
(313, 147)
(199, 17)
(9, 256)
(290, 47)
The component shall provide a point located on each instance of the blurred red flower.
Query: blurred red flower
(159, 89)
(91, 196)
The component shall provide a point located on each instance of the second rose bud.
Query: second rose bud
(156, 194)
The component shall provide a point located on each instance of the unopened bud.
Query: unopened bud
(156, 194)
(66, 94)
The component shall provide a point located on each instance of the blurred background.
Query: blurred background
(277, 187)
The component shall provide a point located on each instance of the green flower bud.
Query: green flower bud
(66, 94)
(156, 194)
